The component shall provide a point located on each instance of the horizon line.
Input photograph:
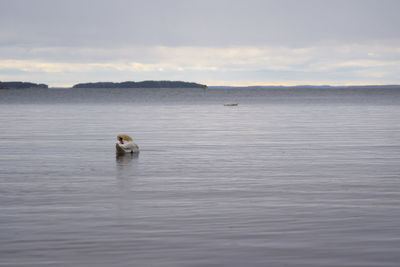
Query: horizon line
(235, 85)
(274, 86)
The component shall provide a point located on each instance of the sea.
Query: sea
(288, 177)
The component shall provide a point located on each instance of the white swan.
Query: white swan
(125, 144)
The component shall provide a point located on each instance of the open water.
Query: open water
(289, 177)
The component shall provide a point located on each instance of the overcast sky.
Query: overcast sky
(215, 42)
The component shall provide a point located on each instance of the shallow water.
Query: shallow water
(287, 178)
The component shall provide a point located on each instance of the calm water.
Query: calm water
(290, 177)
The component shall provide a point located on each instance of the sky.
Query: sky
(213, 42)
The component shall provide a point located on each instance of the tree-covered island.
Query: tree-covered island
(144, 84)
(21, 85)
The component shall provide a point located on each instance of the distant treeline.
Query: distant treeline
(21, 85)
(309, 87)
(144, 84)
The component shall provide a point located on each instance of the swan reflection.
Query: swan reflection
(125, 159)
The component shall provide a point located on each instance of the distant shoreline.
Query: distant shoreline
(306, 86)
(109, 85)
(177, 84)
(22, 85)
(143, 84)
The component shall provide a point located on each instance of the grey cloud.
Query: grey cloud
(208, 22)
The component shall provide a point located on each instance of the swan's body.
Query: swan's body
(126, 145)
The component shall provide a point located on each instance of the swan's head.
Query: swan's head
(124, 137)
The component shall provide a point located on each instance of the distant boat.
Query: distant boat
(231, 104)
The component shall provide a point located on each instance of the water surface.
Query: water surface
(290, 177)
